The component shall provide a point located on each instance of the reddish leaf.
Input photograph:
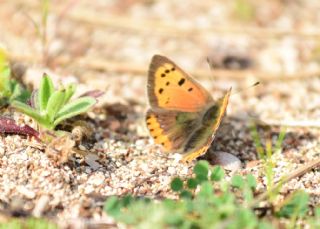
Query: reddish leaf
(9, 126)
(94, 93)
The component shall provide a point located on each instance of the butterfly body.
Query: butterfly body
(183, 116)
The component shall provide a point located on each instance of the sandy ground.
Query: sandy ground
(108, 46)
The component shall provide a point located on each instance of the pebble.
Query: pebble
(26, 192)
(227, 161)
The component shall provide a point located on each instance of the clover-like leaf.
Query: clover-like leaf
(201, 169)
(217, 173)
(251, 180)
(237, 181)
(176, 184)
(192, 183)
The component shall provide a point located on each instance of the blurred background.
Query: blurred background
(108, 44)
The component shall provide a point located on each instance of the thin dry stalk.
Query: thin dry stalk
(141, 70)
(295, 174)
(159, 27)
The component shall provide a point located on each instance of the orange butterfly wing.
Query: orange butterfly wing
(178, 117)
(169, 87)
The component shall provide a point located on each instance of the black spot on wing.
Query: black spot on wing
(168, 83)
(190, 89)
(181, 81)
(163, 75)
(160, 90)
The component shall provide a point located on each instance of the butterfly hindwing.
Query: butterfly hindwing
(171, 129)
(171, 88)
(202, 137)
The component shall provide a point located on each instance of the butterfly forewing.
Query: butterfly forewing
(169, 87)
(183, 116)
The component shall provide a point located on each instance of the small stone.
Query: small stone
(41, 205)
(26, 192)
(227, 161)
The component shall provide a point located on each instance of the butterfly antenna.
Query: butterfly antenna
(211, 68)
(243, 89)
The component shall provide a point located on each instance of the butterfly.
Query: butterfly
(183, 117)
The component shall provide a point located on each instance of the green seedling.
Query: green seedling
(206, 201)
(28, 223)
(10, 89)
(266, 153)
(49, 107)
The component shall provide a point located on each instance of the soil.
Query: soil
(107, 45)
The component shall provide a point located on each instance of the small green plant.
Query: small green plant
(265, 154)
(29, 223)
(49, 107)
(244, 10)
(207, 200)
(314, 221)
(10, 89)
(294, 207)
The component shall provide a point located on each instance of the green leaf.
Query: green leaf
(176, 184)
(185, 194)
(39, 223)
(317, 212)
(296, 204)
(206, 189)
(70, 89)
(45, 91)
(3, 57)
(18, 92)
(74, 108)
(30, 112)
(202, 167)
(245, 219)
(192, 183)
(55, 103)
(112, 206)
(127, 200)
(5, 81)
(217, 173)
(251, 180)
(237, 181)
